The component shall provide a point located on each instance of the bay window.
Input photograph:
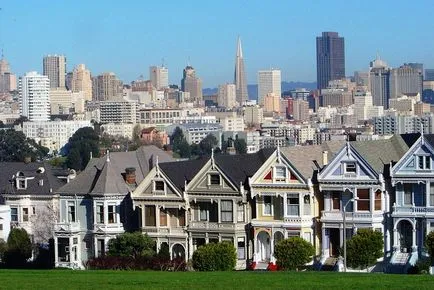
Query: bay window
(226, 211)
(292, 204)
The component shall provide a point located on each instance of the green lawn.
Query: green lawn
(103, 280)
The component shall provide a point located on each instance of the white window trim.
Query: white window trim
(154, 187)
(99, 203)
(116, 215)
(263, 206)
(68, 203)
(280, 179)
(424, 161)
(345, 164)
(214, 173)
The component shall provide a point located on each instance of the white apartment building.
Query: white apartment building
(269, 81)
(34, 91)
(53, 134)
(159, 76)
(120, 112)
(227, 96)
(196, 132)
(119, 129)
(232, 123)
(159, 117)
(253, 115)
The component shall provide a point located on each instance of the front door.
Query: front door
(264, 247)
(405, 236)
(334, 242)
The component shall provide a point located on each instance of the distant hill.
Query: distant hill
(252, 90)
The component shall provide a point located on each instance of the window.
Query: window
(292, 205)
(241, 249)
(159, 185)
(71, 211)
(424, 162)
(203, 211)
(336, 200)
(22, 183)
(408, 189)
(280, 173)
(267, 205)
(350, 167)
(181, 218)
(150, 215)
(100, 213)
(163, 217)
(214, 179)
(25, 214)
(226, 211)
(377, 205)
(240, 212)
(111, 214)
(1, 227)
(363, 202)
(14, 214)
(431, 194)
(100, 247)
(33, 210)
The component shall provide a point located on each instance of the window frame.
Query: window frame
(99, 214)
(289, 198)
(113, 213)
(156, 184)
(423, 162)
(278, 176)
(26, 214)
(16, 214)
(265, 205)
(228, 211)
(212, 182)
(71, 211)
(362, 199)
(346, 167)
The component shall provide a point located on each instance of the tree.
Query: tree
(215, 257)
(80, 145)
(364, 248)
(429, 244)
(240, 146)
(208, 143)
(43, 223)
(132, 245)
(176, 138)
(293, 253)
(19, 248)
(14, 146)
(184, 149)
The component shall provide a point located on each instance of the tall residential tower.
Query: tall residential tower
(54, 67)
(240, 76)
(34, 92)
(330, 58)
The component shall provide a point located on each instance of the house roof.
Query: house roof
(237, 167)
(104, 175)
(49, 176)
(303, 157)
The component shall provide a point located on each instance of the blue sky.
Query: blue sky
(126, 37)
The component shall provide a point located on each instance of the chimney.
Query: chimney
(27, 159)
(325, 159)
(130, 175)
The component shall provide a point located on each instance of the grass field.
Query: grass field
(66, 279)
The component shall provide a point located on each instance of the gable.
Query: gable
(277, 170)
(348, 165)
(417, 160)
(156, 184)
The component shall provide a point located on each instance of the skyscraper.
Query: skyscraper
(269, 81)
(106, 87)
(82, 82)
(330, 58)
(192, 84)
(34, 90)
(240, 76)
(404, 80)
(54, 67)
(8, 81)
(227, 96)
(159, 76)
(379, 81)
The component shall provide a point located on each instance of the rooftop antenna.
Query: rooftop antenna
(162, 62)
(188, 61)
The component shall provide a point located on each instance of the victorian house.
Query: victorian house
(355, 192)
(96, 206)
(413, 203)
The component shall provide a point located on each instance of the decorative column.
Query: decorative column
(272, 259)
(427, 192)
(414, 244)
(285, 206)
(300, 204)
(157, 217)
(395, 239)
(324, 246)
(70, 250)
(56, 252)
(341, 236)
(219, 218)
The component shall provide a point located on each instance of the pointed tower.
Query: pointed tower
(240, 75)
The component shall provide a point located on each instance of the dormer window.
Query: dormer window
(424, 162)
(21, 183)
(214, 179)
(350, 168)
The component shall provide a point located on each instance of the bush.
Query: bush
(429, 244)
(422, 267)
(215, 257)
(132, 245)
(293, 253)
(19, 248)
(364, 248)
(139, 263)
(164, 252)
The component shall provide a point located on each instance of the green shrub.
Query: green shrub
(293, 253)
(429, 244)
(132, 245)
(19, 248)
(364, 248)
(215, 257)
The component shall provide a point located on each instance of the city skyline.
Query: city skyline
(286, 41)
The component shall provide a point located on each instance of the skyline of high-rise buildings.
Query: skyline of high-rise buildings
(240, 75)
(330, 58)
(54, 67)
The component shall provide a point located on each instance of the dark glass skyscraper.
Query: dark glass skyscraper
(330, 58)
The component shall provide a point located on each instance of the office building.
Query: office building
(405, 80)
(8, 81)
(336, 97)
(82, 82)
(54, 67)
(240, 76)
(118, 112)
(330, 58)
(272, 103)
(159, 76)
(253, 115)
(106, 87)
(379, 76)
(34, 91)
(429, 74)
(269, 81)
(300, 110)
(227, 96)
(192, 84)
